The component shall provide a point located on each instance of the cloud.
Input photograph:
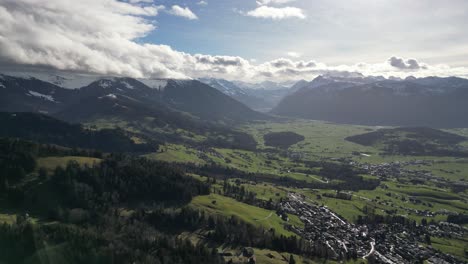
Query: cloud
(203, 3)
(277, 13)
(282, 63)
(409, 64)
(293, 54)
(273, 2)
(306, 64)
(140, 1)
(104, 37)
(221, 60)
(182, 12)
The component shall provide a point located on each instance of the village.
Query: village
(332, 237)
(399, 170)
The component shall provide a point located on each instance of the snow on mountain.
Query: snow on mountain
(159, 84)
(335, 81)
(113, 96)
(266, 85)
(104, 83)
(224, 86)
(380, 101)
(43, 96)
(127, 85)
(65, 80)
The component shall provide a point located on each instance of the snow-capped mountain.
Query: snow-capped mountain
(31, 94)
(65, 80)
(432, 101)
(266, 85)
(118, 95)
(262, 97)
(224, 86)
(334, 81)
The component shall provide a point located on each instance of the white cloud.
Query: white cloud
(203, 3)
(100, 37)
(182, 12)
(273, 2)
(293, 54)
(140, 1)
(277, 13)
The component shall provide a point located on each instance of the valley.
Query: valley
(233, 132)
(225, 188)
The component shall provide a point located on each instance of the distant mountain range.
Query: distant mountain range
(120, 96)
(431, 101)
(259, 96)
(351, 98)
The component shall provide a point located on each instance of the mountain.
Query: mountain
(224, 86)
(337, 81)
(298, 85)
(266, 85)
(156, 111)
(271, 97)
(108, 106)
(205, 102)
(433, 101)
(62, 79)
(47, 130)
(126, 86)
(26, 93)
(31, 95)
(270, 92)
(243, 95)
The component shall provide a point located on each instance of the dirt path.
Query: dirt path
(266, 217)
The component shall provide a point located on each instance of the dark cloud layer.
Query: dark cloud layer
(409, 64)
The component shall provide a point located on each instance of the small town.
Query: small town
(334, 238)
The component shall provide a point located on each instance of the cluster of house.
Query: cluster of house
(204, 152)
(332, 237)
(398, 169)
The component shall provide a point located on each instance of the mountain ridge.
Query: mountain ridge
(369, 101)
(29, 94)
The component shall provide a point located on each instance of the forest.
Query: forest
(84, 215)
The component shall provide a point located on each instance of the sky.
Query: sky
(245, 40)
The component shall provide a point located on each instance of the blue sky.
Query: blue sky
(333, 31)
(248, 40)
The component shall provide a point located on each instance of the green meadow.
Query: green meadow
(225, 206)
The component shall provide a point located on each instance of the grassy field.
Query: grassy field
(228, 207)
(7, 218)
(265, 256)
(455, 247)
(144, 126)
(322, 139)
(50, 163)
(325, 141)
(452, 170)
(395, 197)
(176, 153)
(378, 198)
(248, 161)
